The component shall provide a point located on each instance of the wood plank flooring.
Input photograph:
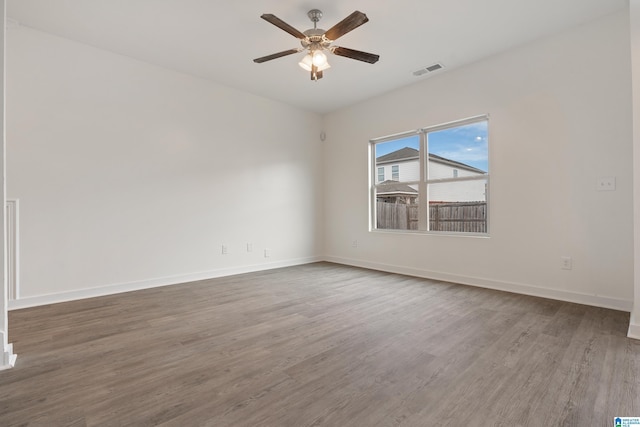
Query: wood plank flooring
(320, 345)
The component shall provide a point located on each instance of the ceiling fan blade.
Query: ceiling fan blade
(283, 25)
(349, 23)
(276, 55)
(355, 54)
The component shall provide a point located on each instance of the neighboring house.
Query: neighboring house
(400, 165)
(403, 166)
(396, 192)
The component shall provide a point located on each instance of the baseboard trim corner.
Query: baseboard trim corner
(8, 357)
(634, 327)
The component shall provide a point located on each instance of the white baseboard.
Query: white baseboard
(634, 324)
(151, 283)
(576, 297)
(634, 331)
(8, 358)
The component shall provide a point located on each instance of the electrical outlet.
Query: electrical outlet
(249, 247)
(354, 244)
(566, 263)
(267, 253)
(225, 250)
(607, 183)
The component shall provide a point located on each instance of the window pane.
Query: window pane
(400, 159)
(396, 197)
(380, 174)
(458, 206)
(458, 151)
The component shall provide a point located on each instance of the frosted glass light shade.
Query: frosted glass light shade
(319, 58)
(308, 61)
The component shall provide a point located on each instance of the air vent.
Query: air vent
(430, 69)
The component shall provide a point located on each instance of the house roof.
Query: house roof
(407, 153)
(444, 160)
(389, 187)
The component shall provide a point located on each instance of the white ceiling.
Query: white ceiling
(217, 39)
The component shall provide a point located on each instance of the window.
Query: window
(445, 179)
(380, 174)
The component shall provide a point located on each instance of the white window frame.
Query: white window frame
(423, 183)
(379, 169)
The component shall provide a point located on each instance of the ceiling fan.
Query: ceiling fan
(316, 41)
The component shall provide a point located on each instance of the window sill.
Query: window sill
(431, 233)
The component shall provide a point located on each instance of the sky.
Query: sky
(467, 144)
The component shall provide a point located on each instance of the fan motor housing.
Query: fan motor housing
(315, 36)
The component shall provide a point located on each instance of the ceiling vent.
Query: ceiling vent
(430, 69)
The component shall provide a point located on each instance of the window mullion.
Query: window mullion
(423, 204)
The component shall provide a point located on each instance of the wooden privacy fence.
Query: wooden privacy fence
(466, 217)
(397, 216)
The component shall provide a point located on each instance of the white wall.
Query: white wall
(7, 358)
(634, 325)
(560, 117)
(130, 175)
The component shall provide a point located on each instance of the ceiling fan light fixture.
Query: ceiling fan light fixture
(306, 62)
(319, 58)
(316, 41)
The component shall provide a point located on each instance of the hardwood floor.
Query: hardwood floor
(320, 345)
